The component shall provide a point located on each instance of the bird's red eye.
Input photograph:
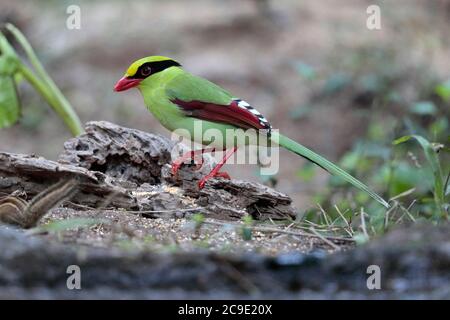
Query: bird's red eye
(146, 70)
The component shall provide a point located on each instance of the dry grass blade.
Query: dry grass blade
(349, 228)
(325, 216)
(388, 214)
(283, 231)
(403, 194)
(324, 239)
(363, 223)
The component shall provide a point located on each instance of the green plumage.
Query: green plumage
(297, 148)
(161, 88)
(174, 83)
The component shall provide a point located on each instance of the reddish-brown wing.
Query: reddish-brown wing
(237, 113)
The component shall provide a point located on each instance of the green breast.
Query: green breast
(174, 83)
(153, 90)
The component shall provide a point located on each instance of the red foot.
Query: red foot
(223, 174)
(176, 165)
(196, 155)
(201, 183)
(215, 172)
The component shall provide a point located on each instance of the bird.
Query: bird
(180, 100)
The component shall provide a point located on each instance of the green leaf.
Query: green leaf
(433, 160)
(198, 218)
(423, 108)
(402, 175)
(68, 224)
(246, 230)
(41, 82)
(8, 58)
(401, 140)
(247, 220)
(440, 126)
(9, 102)
(443, 90)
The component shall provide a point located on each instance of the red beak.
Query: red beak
(126, 83)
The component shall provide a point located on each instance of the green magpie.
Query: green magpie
(181, 100)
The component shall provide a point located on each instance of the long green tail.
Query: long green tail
(297, 148)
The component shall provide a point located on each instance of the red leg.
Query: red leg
(188, 156)
(223, 174)
(215, 172)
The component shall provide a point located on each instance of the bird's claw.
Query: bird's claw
(223, 174)
(202, 182)
(176, 165)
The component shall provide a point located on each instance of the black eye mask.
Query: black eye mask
(150, 68)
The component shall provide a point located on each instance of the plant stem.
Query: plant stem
(67, 115)
(51, 92)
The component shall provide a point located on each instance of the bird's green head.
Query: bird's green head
(142, 69)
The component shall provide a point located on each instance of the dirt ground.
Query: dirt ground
(130, 231)
(244, 46)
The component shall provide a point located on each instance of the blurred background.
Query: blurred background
(312, 68)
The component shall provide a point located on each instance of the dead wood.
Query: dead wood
(126, 168)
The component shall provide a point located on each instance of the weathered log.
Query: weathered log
(121, 153)
(30, 175)
(126, 168)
